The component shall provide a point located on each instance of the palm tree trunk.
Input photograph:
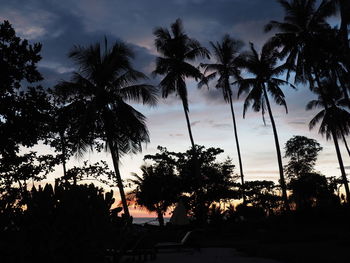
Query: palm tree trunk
(344, 6)
(189, 126)
(345, 143)
(115, 158)
(238, 148)
(341, 165)
(279, 156)
(64, 152)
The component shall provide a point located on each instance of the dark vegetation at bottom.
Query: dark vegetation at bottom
(68, 223)
(317, 235)
(60, 224)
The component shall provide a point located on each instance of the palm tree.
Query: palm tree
(264, 71)
(344, 8)
(98, 91)
(300, 34)
(311, 45)
(177, 50)
(156, 189)
(226, 66)
(334, 118)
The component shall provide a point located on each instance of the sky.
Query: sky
(61, 24)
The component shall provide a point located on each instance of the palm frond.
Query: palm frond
(147, 94)
(206, 79)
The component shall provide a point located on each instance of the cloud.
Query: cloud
(28, 24)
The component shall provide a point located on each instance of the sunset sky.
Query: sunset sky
(60, 24)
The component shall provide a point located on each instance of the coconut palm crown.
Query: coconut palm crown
(300, 33)
(99, 91)
(177, 50)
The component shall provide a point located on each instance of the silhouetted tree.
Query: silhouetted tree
(98, 171)
(177, 51)
(226, 67)
(312, 190)
(344, 8)
(334, 118)
(263, 70)
(262, 194)
(302, 153)
(215, 183)
(98, 91)
(298, 34)
(62, 133)
(156, 189)
(24, 116)
(22, 169)
(21, 106)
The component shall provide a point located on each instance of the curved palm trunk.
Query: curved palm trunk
(279, 156)
(345, 143)
(341, 165)
(238, 148)
(115, 158)
(188, 126)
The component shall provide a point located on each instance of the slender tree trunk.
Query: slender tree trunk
(64, 154)
(279, 156)
(345, 143)
(238, 148)
(189, 127)
(344, 9)
(115, 158)
(160, 217)
(20, 185)
(341, 165)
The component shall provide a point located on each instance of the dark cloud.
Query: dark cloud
(59, 30)
(59, 25)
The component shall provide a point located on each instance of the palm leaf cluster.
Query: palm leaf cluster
(98, 94)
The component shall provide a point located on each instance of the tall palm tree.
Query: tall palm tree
(334, 118)
(300, 33)
(98, 91)
(226, 66)
(263, 70)
(177, 50)
(310, 45)
(344, 8)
